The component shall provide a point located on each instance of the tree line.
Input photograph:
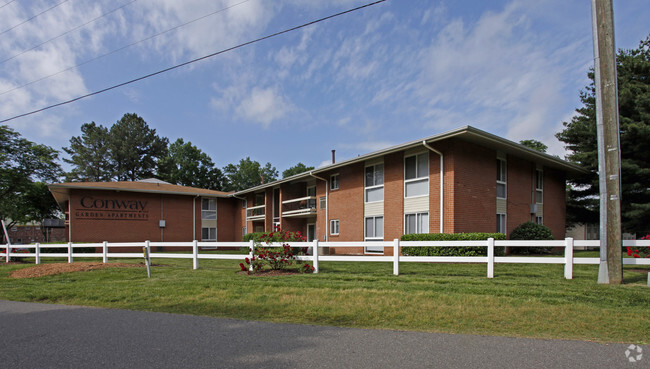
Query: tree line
(130, 150)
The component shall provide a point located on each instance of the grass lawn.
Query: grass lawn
(522, 300)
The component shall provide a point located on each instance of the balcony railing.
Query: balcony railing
(299, 207)
(255, 212)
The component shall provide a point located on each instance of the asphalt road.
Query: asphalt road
(59, 336)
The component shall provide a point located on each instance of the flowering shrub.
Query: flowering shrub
(639, 252)
(277, 258)
(14, 251)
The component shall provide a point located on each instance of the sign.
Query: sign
(97, 208)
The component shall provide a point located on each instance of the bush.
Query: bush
(451, 251)
(531, 231)
(277, 258)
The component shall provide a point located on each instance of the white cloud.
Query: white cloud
(263, 105)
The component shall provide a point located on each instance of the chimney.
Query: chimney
(333, 156)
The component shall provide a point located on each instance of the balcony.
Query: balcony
(255, 212)
(302, 207)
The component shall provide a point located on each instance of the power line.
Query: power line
(34, 16)
(67, 32)
(194, 60)
(7, 3)
(121, 48)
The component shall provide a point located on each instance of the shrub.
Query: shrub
(531, 231)
(451, 251)
(277, 258)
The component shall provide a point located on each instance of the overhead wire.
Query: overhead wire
(67, 32)
(121, 48)
(7, 3)
(194, 60)
(32, 17)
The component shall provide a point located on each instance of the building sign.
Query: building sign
(95, 208)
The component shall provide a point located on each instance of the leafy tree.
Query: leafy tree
(89, 155)
(186, 165)
(296, 169)
(579, 135)
(535, 145)
(135, 149)
(22, 164)
(248, 173)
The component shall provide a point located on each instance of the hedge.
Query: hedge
(451, 251)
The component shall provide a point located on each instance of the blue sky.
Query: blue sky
(388, 74)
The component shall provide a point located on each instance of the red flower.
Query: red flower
(243, 268)
(247, 261)
(636, 255)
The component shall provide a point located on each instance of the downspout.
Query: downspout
(327, 205)
(442, 184)
(194, 217)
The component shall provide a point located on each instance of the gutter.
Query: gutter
(327, 205)
(442, 184)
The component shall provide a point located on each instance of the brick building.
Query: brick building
(465, 180)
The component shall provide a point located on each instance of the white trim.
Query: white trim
(417, 179)
(338, 227)
(500, 182)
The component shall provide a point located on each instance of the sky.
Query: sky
(384, 75)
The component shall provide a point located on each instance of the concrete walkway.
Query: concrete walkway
(59, 336)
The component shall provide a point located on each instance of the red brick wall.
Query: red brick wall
(393, 198)
(228, 222)
(346, 205)
(25, 234)
(474, 187)
(554, 202)
(520, 191)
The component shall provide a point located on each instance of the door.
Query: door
(311, 232)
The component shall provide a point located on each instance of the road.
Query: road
(58, 336)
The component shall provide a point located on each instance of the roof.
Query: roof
(61, 191)
(466, 133)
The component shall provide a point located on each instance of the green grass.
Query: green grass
(522, 300)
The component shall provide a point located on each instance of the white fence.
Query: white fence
(38, 252)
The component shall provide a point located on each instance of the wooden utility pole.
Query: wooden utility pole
(609, 153)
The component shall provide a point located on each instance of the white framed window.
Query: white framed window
(374, 190)
(501, 223)
(208, 209)
(244, 231)
(539, 220)
(334, 182)
(209, 234)
(502, 175)
(374, 231)
(323, 202)
(416, 223)
(334, 226)
(416, 175)
(539, 186)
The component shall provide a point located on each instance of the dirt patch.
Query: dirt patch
(270, 272)
(59, 268)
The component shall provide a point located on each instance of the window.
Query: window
(311, 192)
(416, 175)
(259, 199)
(539, 186)
(375, 183)
(501, 223)
(501, 178)
(334, 226)
(209, 234)
(375, 228)
(539, 220)
(244, 203)
(209, 209)
(334, 182)
(323, 202)
(416, 223)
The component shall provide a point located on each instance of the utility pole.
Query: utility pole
(609, 153)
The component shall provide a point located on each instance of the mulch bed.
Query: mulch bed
(269, 272)
(59, 268)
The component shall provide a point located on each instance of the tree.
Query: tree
(186, 165)
(248, 173)
(579, 135)
(535, 145)
(22, 164)
(89, 155)
(135, 149)
(296, 169)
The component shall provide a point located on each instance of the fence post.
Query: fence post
(396, 256)
(315, 256)
(37, 251)
(490, 257)
(251, 249)
(105, 252)
(195, 255)
(8, 250)
(70, 259)
(568, 258)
